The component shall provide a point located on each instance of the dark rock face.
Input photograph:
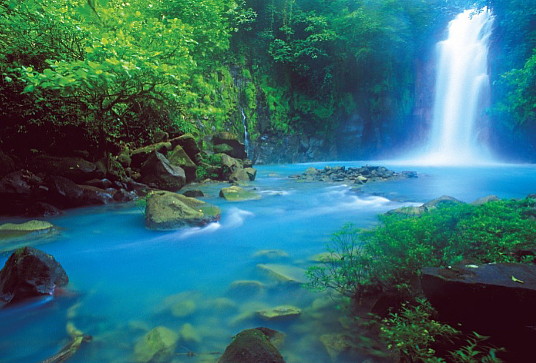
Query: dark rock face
(492, 299)
(157, 170)
(30, 272)
(360, 175)
(252, 346)
(228, 143)
(76, 169)
(7, 165)
(69, 194)
(274, 148)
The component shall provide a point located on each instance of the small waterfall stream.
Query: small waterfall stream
(246, 133)
(461, 93)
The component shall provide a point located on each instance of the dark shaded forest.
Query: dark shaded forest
(312, 80)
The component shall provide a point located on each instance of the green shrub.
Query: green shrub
(392, 254)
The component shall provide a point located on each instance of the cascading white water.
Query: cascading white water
(246, 133)
(461, 93)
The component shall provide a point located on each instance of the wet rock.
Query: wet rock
(252, 346)
(244, 289)
(157, 346)
(236, 194)
(229, 144)
(282, 312)
(159, 172)
(139, 156)
(180, 158)
(362, 175)
(69, 194)
(28, 273)
(26, 227)
(284, 273)
(41, 209)
(194, 193)
(166, 210)
(30, 233)
(75, 169)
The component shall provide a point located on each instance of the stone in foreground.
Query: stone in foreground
(167, 211)
(28, 273)
(157, 346)
(252, 346)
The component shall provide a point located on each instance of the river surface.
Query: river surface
(126, 280)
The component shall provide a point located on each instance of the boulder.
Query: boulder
(229, 144)
(22, 183)
(188, 143)
(252, 346)
(158, 171)
(236, 194)
(28, 273)
(139, 156)
(500, 294)
(240, 174)
(69, 194)
(180, 158)
(166, 210)
(441, 201)
(74, 168)
(157, 346)
(484, 200)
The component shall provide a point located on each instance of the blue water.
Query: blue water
(123, 276)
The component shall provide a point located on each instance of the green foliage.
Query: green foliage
(345, 268)
(391, 255)
(412, 332)
(419, 338)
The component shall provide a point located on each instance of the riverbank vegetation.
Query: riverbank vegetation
(100, 73)
(389, 259)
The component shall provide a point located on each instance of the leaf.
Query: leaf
(517, 280)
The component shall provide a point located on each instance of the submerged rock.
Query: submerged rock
(282, 312)
(235, 194)
(335, 344)
(252, 346)
(270, 255)
(189, 334)
(30, 272)
(157, 346)
(284, 273)
(246, 289)
(166, 211)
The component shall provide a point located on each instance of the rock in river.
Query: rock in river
(252, 346)
(235, 194)
(30, 272)
(156, 346)
(166, 211)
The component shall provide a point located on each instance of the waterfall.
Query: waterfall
(461, 93)
(246, 133)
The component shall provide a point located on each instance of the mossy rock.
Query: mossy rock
(252, 346)
(157, 346)
(15, 235)
(236, 194)
(167, 211)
